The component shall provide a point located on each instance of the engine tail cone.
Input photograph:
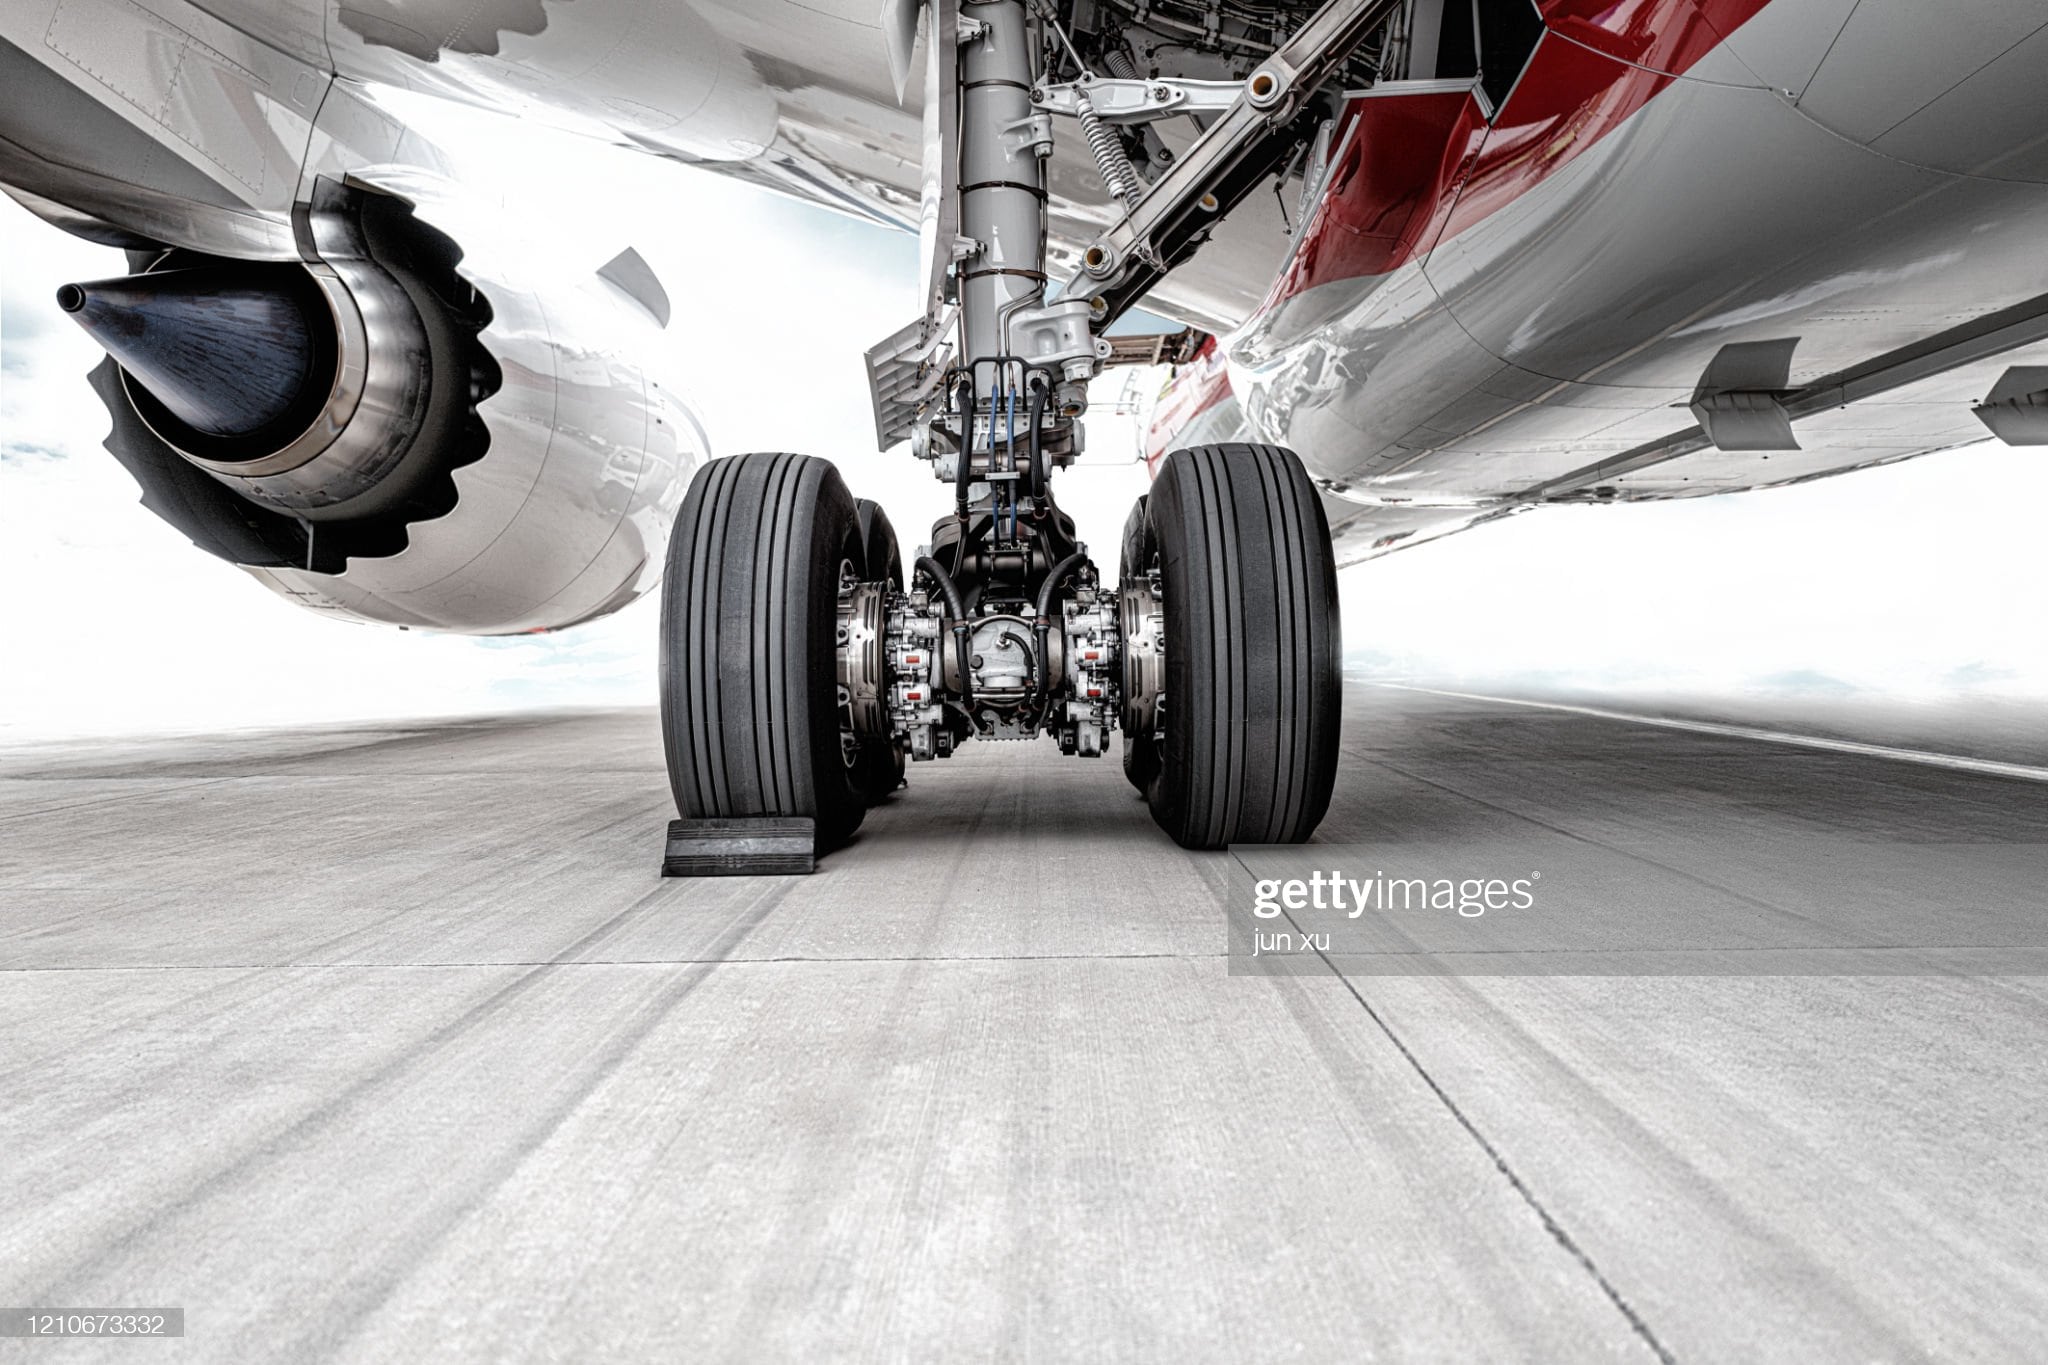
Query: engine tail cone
(230, 351)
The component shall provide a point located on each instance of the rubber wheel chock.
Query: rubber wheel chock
(761, 846)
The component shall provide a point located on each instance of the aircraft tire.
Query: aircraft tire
(1253, 686)
(750, 715)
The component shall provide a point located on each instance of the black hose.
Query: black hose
(1038, 471)
(1052, 581)
(1043, 628)
(965, 467)
(1036, 666)
(956, 607)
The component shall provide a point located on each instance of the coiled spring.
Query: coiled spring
(1118, 174)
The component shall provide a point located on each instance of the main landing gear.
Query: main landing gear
(802, 666)
(799, 671)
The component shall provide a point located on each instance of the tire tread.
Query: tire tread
(1254, 690)
(743, 717)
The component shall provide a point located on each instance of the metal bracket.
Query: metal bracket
(1134, 101)
(1057, 334)
(1033, 134)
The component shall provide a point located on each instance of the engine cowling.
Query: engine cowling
(399, 430)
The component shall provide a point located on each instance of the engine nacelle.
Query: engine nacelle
(398, 430)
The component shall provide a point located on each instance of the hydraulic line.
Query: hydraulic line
(1036, 665)
(1042, 627)
(956, 607)
(1034, 411)
(1051, 586)
(963, 394)
(1002, 402)
(1010, 451)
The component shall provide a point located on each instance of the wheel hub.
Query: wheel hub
(1142, 607)
(863, 662)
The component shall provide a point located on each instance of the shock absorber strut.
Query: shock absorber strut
(1002, 185)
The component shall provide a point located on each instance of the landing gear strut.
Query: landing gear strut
(801, 667)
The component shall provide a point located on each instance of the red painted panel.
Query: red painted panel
(1391, 186)
(1659, 34)
(1569, 98)
(1422, 167)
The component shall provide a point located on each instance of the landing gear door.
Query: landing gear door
(938, 219)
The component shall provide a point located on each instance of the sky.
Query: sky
(1915, 582)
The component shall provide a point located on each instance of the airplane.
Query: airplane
(1437, 262)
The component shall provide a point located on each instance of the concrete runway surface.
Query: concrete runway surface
(387, 1043)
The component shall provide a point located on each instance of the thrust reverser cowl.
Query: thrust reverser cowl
(233, 352)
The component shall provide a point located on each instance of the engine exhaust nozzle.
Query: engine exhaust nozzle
(231, 351)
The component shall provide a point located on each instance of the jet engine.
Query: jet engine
(395, 429)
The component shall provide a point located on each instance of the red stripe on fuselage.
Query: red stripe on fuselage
(1417, 169)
